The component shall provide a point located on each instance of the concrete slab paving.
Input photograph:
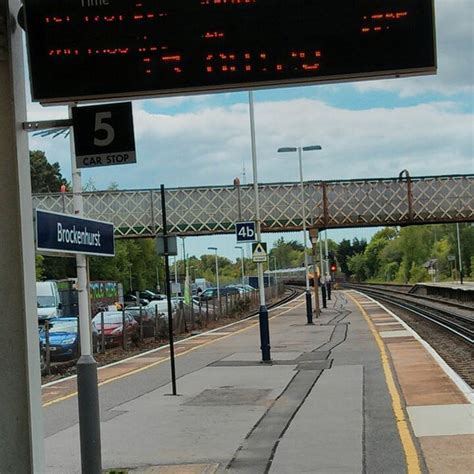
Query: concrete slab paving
(442, 420)
(329, 425)
(257, 356)
(402, 333)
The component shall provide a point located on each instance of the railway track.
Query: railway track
(454, 317)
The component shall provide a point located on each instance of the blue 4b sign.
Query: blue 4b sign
(245, 232)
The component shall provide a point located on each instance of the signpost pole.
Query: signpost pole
(263, 312)
(168, 290)
(87, 388)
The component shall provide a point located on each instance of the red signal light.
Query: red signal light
(333, 267)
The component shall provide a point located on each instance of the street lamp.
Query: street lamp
(242, 264)
(309, 309)
(217, 272)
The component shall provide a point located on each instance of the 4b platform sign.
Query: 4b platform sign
(103, 135)
(245, 231)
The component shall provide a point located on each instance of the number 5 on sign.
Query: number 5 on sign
(245, 231)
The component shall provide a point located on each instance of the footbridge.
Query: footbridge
(329, 204)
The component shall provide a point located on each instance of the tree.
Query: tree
(357, 266)
(288, 254)
(45, 177)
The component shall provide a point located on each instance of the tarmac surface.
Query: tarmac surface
(356, 392)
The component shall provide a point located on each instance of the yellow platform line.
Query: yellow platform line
(161, 361)
(411, 454)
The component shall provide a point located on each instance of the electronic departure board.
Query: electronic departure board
(91, 49)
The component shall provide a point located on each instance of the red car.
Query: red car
(113, 327)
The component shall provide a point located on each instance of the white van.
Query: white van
(47, 298)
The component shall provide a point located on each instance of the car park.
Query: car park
(113, 327)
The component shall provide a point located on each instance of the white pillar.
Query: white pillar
(21, 428)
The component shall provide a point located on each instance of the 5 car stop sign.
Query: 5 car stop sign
(103, 135)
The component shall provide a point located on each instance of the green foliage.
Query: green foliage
(345, 250)
(45, 177)
(287, 254)
(357, 266)
(39, 265)
(402, 255)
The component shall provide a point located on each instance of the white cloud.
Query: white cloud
(455, 47)
(208, 146)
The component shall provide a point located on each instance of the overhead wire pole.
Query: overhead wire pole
(263, 312)
(87, 384)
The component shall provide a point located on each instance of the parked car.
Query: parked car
(64, 339)
(150, 295)
(113, 327)
(211, 293)
(230, 290)
(162, 306)
(148, 317)
(43, 366)
(47, 300)
(131, 300)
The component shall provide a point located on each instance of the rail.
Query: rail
(456, 323)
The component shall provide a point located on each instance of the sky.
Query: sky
(366, 129)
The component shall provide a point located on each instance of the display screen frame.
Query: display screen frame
(48, 88)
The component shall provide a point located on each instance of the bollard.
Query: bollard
(48, 349)
(156, 323)
(323, 294)
(329, 290)
(89, 414)
(207, 312)
(309, 308)
(226, 305)
(102, 335)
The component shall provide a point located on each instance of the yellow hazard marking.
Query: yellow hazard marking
(411, 454)
(153, 364)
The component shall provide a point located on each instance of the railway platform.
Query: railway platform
(356, 392)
